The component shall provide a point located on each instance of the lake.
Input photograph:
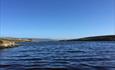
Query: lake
(79, 55)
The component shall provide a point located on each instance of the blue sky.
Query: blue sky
(58, 19)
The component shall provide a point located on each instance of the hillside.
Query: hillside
(94, 38)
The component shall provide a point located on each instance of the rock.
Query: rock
(7, 44)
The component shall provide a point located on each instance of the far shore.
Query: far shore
(95, 38)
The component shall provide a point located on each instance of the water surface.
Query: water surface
(60, 56)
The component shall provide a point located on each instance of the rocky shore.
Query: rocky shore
(8, 43)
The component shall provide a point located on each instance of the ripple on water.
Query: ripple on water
(60, 55)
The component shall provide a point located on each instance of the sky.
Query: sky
(57, 19)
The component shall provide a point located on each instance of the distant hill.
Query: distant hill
(32, 39)
(95, 38)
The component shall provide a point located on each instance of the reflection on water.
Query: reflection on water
(59, 56)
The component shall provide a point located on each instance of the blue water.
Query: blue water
(59, 56)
